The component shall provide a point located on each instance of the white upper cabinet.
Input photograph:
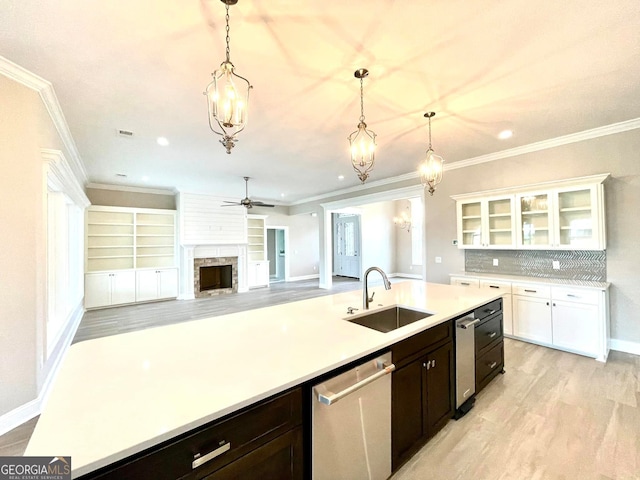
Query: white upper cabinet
(486, 223)
(570, 218)
(567, 215)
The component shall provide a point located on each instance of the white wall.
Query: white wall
(28, 358)
(303, 248)
(378, 235)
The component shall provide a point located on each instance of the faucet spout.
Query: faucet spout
(365, 287)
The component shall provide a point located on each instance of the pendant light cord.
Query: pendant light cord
(228, 38)
(429, 133)
(361, 101)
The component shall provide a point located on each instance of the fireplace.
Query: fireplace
(215, 276)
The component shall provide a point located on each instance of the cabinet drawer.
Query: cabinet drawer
(488, 333)
(489, 365)
(421, 341)
(465, 282)
(502, 287)
(488, 309)
(578, 295)
(527, 290)
(243, 433)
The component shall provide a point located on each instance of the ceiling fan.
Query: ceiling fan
(246, 201)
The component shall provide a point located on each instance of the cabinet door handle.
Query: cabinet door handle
(465, 284)
(494, 286)
(492, 334)
(547, 304)
(490, 312)
(492, 365)
(202, 459)
(433, 363)
(531, 291)
(573, 296)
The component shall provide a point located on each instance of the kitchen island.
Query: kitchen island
(117, 396)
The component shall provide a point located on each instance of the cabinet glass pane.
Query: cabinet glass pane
(471, 224)
(500, 232)
(576, 220)
(535, 219)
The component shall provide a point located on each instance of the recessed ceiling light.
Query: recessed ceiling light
(340, 177)
(145, 178)
(503, 135)
(162, 141)
(282, 195)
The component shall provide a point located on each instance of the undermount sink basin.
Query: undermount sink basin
(389, 319)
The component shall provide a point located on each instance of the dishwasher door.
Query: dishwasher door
(351, 423)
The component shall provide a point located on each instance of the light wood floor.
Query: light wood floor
(552, 416)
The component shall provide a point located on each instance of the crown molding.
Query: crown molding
(550, 143)
(61, 177)
(126, 188)
(48, 95)
(605, 130)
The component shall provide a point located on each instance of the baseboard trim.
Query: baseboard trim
(624, 346)
(405, 275)
(26, 412)
(303, 277)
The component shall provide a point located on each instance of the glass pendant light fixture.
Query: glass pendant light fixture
(362, 141)
(431, 169)
(227, 97)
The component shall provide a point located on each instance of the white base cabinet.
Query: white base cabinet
(570, 318)
(258, 274)
(156, 284)
(109, 288)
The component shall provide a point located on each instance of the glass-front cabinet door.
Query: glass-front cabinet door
(577, 219)
(500, 220)
(470, 224)
(535, 228)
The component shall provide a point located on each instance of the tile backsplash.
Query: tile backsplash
(586, 265)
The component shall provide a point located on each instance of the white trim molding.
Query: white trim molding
(126, 188)
(27, 411)
(61, 178)
(50, 100)
(413, 276)
(625, 346)
(303, 277)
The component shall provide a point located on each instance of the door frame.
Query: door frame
(356, 213)
(287, 275)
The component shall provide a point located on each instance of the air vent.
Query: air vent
(125, 133)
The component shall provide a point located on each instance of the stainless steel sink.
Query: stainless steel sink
(389, 319)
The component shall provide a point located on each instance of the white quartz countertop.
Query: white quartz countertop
(524, 279)
(118, 395)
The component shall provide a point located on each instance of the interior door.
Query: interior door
(346, 245)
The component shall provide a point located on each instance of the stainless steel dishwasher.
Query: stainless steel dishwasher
(351, 423)
(465, 363)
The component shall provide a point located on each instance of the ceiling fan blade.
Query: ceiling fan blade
(229, 201)
(230, 204)
(262, 204)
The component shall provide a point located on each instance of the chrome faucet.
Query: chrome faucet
(365, 288)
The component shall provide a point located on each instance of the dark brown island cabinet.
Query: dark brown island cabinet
(271, 439)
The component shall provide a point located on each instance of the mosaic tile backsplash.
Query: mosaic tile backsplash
(585, 265)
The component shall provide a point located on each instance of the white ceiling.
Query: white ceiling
(542, 69)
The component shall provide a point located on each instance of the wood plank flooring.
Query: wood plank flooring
(552, 416)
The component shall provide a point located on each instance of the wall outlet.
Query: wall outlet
(454, 242)
(438, 259)
(495, 262)
(556, 265)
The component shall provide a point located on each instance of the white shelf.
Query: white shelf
(495, 215)
(536, 212)
(576, 209)
(471, 217)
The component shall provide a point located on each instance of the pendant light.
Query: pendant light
(362, 141)
(227, 97)
(431, 168)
